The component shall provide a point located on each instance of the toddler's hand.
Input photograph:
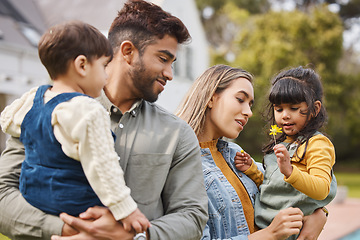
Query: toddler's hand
(243, 161)
(137, 221)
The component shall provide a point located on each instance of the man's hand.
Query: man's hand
(94, 224)
(67, 230)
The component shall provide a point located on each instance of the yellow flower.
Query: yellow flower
(274, 130)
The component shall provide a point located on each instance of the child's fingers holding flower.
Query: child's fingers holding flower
(282, 153)
(283, 159)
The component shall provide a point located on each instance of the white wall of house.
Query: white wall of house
(192, 58)
(21, 69)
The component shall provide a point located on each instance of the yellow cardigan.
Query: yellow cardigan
(312, 175)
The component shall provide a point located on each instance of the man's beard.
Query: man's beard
(143, 83)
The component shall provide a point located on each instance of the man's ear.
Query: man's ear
(81, 65)
(317, 105)
(127, 50)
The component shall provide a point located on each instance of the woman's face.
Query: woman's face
(230, 110)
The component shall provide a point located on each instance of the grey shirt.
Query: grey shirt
(160, 156)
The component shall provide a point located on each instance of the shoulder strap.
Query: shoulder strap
(39, 96)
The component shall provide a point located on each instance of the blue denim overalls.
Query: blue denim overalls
(50, 180)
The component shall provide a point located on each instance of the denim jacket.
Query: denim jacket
(226, 215)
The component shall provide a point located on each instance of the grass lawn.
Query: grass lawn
(351, 180)
(2, 237)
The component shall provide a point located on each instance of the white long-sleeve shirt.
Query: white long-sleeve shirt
(82, 127)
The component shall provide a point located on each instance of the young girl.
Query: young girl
(298, 163)
(219, 105)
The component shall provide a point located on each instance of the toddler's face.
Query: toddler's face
(291, 118)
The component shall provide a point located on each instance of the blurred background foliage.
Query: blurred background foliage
(252, 35)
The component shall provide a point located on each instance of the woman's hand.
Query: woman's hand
(286, 223)
(313, 225)
(95, 223)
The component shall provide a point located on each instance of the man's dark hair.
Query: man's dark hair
(141, 22)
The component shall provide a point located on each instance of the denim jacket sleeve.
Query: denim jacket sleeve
(206, 236)
(18, 219)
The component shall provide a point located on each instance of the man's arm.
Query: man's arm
(18, 219)
(184, 196)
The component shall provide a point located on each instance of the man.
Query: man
(158, 152)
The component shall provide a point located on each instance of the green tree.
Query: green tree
(344, 112)
(267, 43)
(219, 30)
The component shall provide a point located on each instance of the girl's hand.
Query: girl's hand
(242, 161)
(283, 159)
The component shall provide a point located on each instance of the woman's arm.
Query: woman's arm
(286, 223)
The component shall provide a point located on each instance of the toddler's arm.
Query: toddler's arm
(85, 136)
(136, 220)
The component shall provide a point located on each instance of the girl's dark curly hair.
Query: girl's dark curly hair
(294, 86)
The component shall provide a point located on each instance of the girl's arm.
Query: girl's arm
(246, 164)
(315, 178)
(255, 174)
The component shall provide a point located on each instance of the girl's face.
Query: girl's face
(229, 110)
(291, 118)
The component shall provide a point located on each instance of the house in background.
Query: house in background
(22, 22)
(21, 26)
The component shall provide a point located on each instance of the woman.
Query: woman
(219, 105)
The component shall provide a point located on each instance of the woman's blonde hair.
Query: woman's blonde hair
(215, 79)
